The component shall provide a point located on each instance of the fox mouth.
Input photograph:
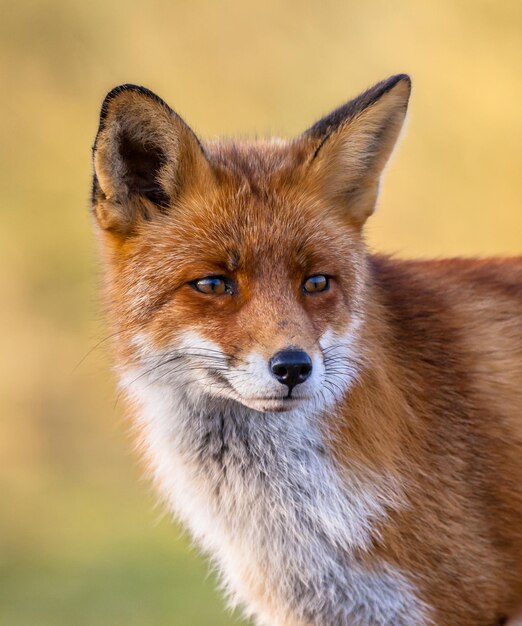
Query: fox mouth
(277, 404)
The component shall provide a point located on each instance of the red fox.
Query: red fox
(340, 431)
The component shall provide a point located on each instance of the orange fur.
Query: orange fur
(438, 403)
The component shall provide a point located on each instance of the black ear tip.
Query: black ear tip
(126, 87)
(387, 85)
(352, 108)
(391, 82)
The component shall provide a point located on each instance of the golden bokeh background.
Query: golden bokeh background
(81, 541)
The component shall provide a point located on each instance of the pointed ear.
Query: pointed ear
(145, 158)
(350, 147)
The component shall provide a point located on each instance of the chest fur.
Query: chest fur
(262, 496)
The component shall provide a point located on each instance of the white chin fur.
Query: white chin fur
(273, 405)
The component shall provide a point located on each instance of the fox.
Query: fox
(340, 431)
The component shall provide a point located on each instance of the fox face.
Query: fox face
(255, 304)
(236, 270)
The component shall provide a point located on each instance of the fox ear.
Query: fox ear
(350, 147)
(145, 157)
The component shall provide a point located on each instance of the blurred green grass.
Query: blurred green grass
(80, 540)
(97, 575)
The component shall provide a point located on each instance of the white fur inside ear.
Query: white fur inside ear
(109, 168)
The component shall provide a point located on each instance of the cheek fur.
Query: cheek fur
(342, 358)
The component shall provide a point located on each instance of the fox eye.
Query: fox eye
(213, 285)
(317, 283)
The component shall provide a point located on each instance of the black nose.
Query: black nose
(291, 367)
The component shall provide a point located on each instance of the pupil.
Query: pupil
(316, 283)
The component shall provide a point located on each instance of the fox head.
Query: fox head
(236, 270)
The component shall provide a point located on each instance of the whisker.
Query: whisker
(95, 347)
(339, 388)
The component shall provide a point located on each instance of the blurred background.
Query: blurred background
(81, 540)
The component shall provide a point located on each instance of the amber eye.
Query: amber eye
(213, 285)
(314, 284)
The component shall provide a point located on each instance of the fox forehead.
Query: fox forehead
(224, 229)
(261, 163)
